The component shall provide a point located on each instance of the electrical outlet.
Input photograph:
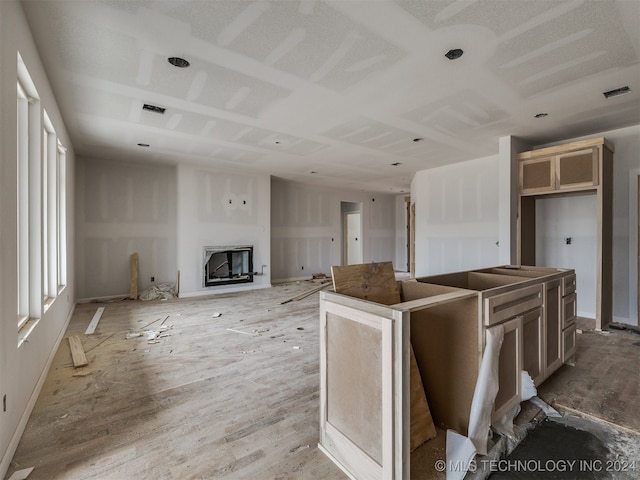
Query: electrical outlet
(4, 402)
(301, 268)
(153, 279)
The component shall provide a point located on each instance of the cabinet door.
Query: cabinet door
(532, 344)
(537, 175)
(569, 310)
(553, 326)
(577, 169)
(509, 367)
(364, 388)
(568, 343)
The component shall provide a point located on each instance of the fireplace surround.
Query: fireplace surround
(226, 265)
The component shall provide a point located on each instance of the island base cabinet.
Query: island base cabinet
(364, 387)
(446, 320)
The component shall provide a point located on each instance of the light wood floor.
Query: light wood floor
(209, 402)
(202, 402)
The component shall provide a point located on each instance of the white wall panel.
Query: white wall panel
(206, 218)
(456, 216)
(306, 228)
(124, 208)
(558, 219)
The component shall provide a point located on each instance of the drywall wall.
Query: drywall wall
(23, 368)
(306, 228)
(401, 259)
(456, 216)
(570, 219)
(452, 234)
(626, 169)
(124, 208)
(509, 147)
(217, 208)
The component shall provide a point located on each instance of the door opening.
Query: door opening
(351, 233)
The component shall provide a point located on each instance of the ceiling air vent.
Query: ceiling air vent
(153, 108)
(617, 91)
(454, 53)
(178, 62)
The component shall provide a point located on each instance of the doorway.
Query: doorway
(351, 233)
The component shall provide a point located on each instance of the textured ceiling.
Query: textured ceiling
(339, 88)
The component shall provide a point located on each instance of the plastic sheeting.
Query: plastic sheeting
(162, 291)
(486, 390)
(460, 449)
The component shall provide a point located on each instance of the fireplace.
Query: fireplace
(228, 265)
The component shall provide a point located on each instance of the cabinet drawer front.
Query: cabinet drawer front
(507, 305)
(568, 342)
(569, 310)
(568, 285)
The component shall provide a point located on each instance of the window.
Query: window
(23, 206)
(41, 207)
(50, 211)
(62, 216)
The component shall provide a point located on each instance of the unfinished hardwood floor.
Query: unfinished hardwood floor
(236, 396)
(230, 397)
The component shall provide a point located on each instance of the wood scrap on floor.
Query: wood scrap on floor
(21, 474)
(319, 278)
(240, 331)
(133, 272)
(376, 282)
(77, 352)
(308, 292)
(94, 321)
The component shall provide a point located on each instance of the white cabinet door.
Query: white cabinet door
(364, 387)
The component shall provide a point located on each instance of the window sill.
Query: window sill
(48, 301)
(26, 330)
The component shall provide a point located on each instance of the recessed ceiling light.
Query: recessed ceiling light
(153, 108)
(143, 144)
(178, 62)
(454, 53)
(541, 115)
(395, 164)
(616, 91)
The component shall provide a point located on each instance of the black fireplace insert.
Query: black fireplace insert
(228, 265)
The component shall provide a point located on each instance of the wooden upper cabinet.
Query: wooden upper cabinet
(577, 169)
(537, 175)
(566, 167)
